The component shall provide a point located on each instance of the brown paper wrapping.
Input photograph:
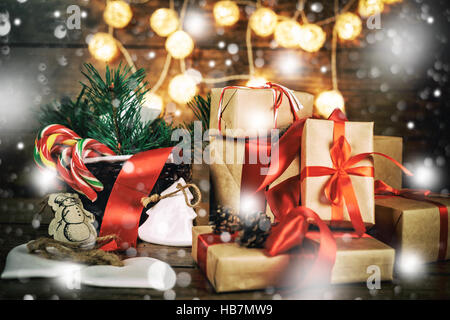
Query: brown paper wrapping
(248, 112)
(227, 154)
(316, 141)
(384, 169)
(233, 268)
(410, 226)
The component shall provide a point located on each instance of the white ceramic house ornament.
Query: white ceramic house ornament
(169, 221)
(72, 223)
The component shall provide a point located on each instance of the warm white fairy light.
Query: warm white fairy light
(256, 82)
(164, 22)
(367, 8)
(179, 44)
(348, 26)
(287, 33)
(327, 101)
(263, 22)
(117, 14)
(103, 46)
(226, 13)
(312, 37)
(154, 103)
(182, 88)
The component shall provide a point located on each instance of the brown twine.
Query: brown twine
(73, 252)
(145, 201)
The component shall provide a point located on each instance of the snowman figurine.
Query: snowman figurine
(72, 223)
(169, 221)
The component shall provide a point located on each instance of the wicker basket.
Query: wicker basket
(106, 169)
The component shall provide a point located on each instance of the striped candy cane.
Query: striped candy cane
(60, 148)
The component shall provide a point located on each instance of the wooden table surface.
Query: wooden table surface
(433, 282)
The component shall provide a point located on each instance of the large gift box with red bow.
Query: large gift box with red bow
(230, 267)
(413, 222)
(240, 127)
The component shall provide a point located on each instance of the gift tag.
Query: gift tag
(170, 220)
(21, 264)
(140, 272)
(72, 223)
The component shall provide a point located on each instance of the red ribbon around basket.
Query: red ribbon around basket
(383, 190)
(123, 210)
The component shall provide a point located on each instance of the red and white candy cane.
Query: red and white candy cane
(85, 181)
(277, 90)
(50, 142)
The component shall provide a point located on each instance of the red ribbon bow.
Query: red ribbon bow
(339, 189)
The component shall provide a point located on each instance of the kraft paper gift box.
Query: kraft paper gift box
(242, 109)
(230, 267)
(317, 140)
(414, 227)
(385, 170)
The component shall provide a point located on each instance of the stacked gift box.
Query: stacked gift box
(329, 173)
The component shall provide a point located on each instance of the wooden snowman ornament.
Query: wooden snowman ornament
(72, 223)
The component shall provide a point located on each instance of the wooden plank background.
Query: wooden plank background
(36, 67)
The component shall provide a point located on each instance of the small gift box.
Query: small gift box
(337, 172)
(230, 267)
(249, 111)
(243, 113)
(418, 228)
(384, 169)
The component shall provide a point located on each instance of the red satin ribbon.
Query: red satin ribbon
(382, 190)
(204, 241)
(123, 210)
(252, 177)
(292, 223)
(339, 189)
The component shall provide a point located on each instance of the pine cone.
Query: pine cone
(255, 230)
(224, 220)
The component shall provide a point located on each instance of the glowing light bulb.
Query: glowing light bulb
(312, 37)
(179, 44)
(154, 102)
(103, 47)
(256, 82)
(263, 22)
(287, 33)
(392, 1)
(348, 26)
(327, 101)
(182, 88)
(367, 8)
(164, 22)
(117, 14)
(226, 13)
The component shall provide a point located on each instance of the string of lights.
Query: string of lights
(264, 22)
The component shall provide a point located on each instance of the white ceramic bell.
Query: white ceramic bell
(169, 221)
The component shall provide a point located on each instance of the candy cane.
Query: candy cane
(52, 139)
(83, 178)
(60, 148)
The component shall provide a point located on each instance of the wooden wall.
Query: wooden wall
(389, 86)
